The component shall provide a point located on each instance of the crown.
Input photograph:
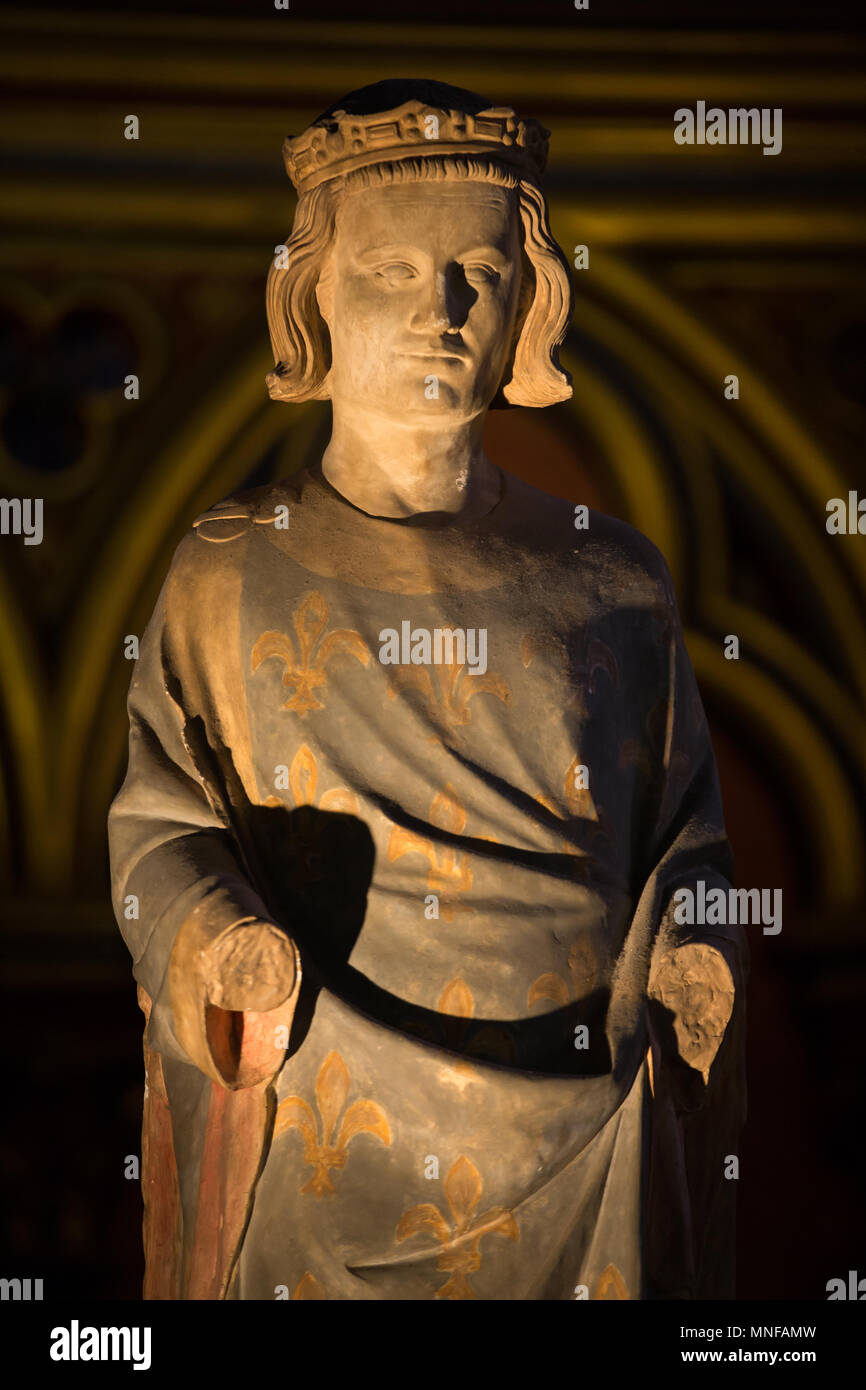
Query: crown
(339, 142)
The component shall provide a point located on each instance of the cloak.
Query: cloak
(474, 859)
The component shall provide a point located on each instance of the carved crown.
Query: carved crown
(340, 142)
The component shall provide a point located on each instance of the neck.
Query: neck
(394, 470)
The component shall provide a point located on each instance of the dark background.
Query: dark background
(150, 257)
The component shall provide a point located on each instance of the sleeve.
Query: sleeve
(697, 961)
(693, 968)
(696, 1004)
(689, 846)
(178, 876)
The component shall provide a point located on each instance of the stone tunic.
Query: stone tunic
(475, 866)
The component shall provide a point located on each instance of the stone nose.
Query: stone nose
(447, 302)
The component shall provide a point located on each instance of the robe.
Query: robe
(474, 858)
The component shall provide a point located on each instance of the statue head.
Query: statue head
(421, 252)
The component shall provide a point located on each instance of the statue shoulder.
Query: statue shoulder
(236, 516)
(615, 553)
(209, 561)
(636, 567)
(635, 548)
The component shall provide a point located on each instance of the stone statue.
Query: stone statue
(417, 762)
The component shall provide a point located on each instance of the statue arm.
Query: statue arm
(222, 976)
(695, 1009)
(697, 971)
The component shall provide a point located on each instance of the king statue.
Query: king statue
(416, 768)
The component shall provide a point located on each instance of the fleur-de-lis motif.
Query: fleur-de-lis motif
(578, 799)
(581, 968)
(303, 781)
(564, 845)
(635, 753)
(308, 1289)
(596, 826)
(305, 673)
(582, 674)
(456, 1000)
(487, 1040)
(303, 854)
(457, 1004)
(610, 1285)
(303, 848)
(447, 698)
(449, 872)
(320, 1152)
(528, 648)
(599, 657)
(461, 1238)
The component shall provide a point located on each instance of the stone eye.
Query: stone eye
(484, 274)
(397, 270)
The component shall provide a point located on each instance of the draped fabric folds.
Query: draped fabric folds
(474, 857)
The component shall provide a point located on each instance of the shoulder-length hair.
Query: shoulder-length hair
(299, 335)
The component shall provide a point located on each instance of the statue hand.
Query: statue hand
(251, 967)
(692, 998)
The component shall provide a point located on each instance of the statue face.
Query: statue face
(420, 296)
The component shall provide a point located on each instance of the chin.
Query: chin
(442, 411)
(454, 402)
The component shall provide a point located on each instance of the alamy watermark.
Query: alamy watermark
(76, 1343)
(854, 1289)
(22, 516)
(712, 907)
(439, 646)
(21, 1290)
(847, 518)
(737, 126)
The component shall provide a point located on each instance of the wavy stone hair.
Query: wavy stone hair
(299, 335)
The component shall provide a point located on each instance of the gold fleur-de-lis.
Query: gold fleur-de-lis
(528, 648)
(457, 1004)
(362, 1117)
(461, 1238)
(596, 825)
(456, 1000)
(308, 1289)
(302, 855)
(305, 673)
(610, 1285)
(449, 872)
(599, 657)
(448, 698)
(564, 845)
(581, 968)
(303, 780)
(635, 753)
(578, 799)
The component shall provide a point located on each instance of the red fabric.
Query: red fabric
(159, 1180)
(234, 1138)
